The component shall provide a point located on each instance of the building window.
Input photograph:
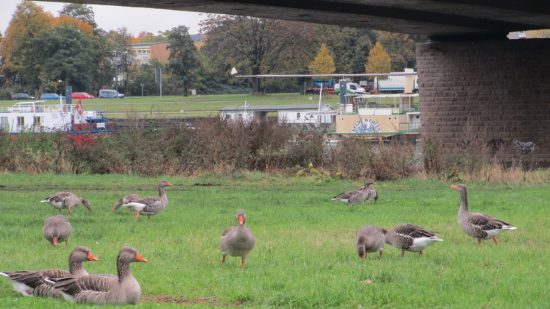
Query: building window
(37, 121)
(298, 116)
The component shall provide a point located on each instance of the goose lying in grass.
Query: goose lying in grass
(30, 283)
(57, 229)
(370, 239)
(408, 237)
(365, 193)
(66, 200)
(151, 205)
(103, 289)
(237, 240)
(478, 225)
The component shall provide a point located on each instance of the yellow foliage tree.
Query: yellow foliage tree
(80, 24)
(379, 60)
(323, 62)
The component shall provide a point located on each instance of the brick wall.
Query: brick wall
(474, 92)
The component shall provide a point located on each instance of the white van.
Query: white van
(352, 88)
(110, 94)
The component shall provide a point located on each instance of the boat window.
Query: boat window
(298, 115)
(20, 122)
(37, 121)
(4, 125)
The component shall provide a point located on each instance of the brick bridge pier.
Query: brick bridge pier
(480, 94)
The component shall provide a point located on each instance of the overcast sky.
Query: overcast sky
(114, 17)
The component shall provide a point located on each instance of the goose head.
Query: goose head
(82, 254)
(459, 187)
(369, 182)
(86, 204)
(241, 217)
(163, 184)
(129, 255)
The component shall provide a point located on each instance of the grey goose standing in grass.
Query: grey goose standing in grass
(365, 193)
(237, 240)
(30, 283)
(125, 200)
(408, 237)
(151, 205)
(478, 225)
(57, 229)
(104, 289)
(66, 200)
(370, 239)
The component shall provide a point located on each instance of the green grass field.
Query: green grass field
(191, 106)
(304, 256)
(194, 106)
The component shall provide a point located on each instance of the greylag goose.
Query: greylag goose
(408, 237)
(104, 289)
(478, 225)
(237, 240)
(125, 200)
(370, 239)
(365, 193)
(57, 229)
(30, 283)
(66, 200)
(151, 205)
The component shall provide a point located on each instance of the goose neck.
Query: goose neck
(75, 268)
(463, 201)
(123, 270)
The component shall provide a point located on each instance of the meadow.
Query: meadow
(193, 106)
(304, 256)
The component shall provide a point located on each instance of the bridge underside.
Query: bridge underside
(435, 18)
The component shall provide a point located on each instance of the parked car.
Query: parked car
(51, 96)
(21, 96)
(110, 94)
(351, 88)
(82, 95)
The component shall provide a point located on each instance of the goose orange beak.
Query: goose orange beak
(140, 258)
(91, 257)
(241, 219)
(55, 240)
(454, 187)
(169, 184)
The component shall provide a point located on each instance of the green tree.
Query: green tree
(379, 60)
(122, 55)
(66, 54)
(349, 47)
(401, 48)
(257, 45)
(183, 62)
(323, 62)
(79, 11)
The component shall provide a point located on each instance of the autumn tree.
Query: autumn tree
(379, 60)
(19, 66)
(183, 62)
(323, 62)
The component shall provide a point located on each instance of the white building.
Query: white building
(299, 114)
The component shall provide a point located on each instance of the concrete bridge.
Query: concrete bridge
(478, 88)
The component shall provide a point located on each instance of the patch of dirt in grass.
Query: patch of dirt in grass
(180, 300)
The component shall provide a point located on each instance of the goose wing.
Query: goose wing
(34, 279)
(145, 204)
(412, 231)
(485, 222)
(344, 195)
(75, 286)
